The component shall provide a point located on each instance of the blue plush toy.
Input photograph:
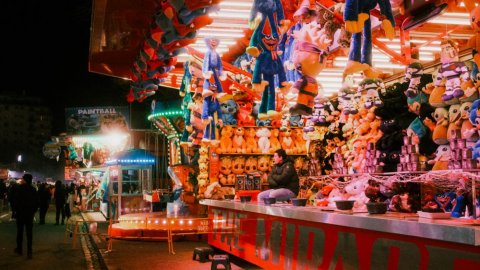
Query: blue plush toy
(212, 68)
(265, 39)
(229, 111)
(357, 17)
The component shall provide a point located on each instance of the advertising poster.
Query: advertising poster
(96, 120)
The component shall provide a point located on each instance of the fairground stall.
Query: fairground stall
(375, 102)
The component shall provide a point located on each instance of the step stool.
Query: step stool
(203, 253)
(220, 260)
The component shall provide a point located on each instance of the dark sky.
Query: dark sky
(45, 52)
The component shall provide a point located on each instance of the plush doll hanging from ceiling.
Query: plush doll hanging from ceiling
(212, 68)
(357, 16)
(309, 58)
(264, 45)
(474, 41)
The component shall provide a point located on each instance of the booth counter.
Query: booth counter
(282, 236)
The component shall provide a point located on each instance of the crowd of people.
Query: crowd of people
(24, 199)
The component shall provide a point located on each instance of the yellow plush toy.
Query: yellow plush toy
(300, 143)
(226, 140)
(439, 135)
(225, 170)
(250, 141)
(251, 165)
(239, 144)
(287, 142)
(238, 165)
(264, 167)
(202, 177)
(435, 98)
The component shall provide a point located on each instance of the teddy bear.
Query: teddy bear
(202, 177)
(229, 111)
(225, 170)
(238, 165)
(263, 135)
(244, 113)
(238, 142)
(406, 197)
(226, 140)
(287, 142)
(300, 143)
(203, 152)
(439, 135)
(251, 165)
(250, 140)
(263, 165)
(274, 140)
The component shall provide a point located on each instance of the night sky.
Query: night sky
(45, 52)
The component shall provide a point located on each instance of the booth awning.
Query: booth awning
(132, 157)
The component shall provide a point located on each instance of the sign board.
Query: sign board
(96, 120)
(51, 150)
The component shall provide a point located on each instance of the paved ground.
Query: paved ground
(52, 249)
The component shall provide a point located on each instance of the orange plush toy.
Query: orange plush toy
(239, 144)
(474, 41)
(250, 140)
(274, 140)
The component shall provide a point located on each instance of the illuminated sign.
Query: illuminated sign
(95, 120)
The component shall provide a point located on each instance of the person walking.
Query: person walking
(10, 196)
(59, 196)
(282, 180)
(44, 197)
(3, 194)
(25, 199)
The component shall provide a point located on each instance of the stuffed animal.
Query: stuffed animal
(264, 167)
(274, 140)
(202, 177)
(412, 77)
(263, 45)
(301, 166)
(335, 195)
(309, 58)
(263, 135)
(459, 203)
(455, 122)
(226, 140)
(300, 143)
(251, 143)
(251, 165)
(287, 142)
(474, 116)
(370, 89)
(229, 110)
(406, 198)
(440, 132)
(244, 114)
(474, 41)
(452, 71)
(211, 117)
(372, 191)
(238, 165)
(468, 131)
(238, 142)
(442, 157)
(225, 170)
(435, 98)
(357, 18)
(445, 200)
(355, 190)
(212, 68)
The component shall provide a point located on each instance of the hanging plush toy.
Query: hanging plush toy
(474, 41)
(265, 39)
(212, 68)
(452, 70)
(357, 17)
(309, 57)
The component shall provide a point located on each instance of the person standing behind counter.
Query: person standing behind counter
(283, 179)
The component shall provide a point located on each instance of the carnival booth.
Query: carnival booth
(375, 102)
(129, 178)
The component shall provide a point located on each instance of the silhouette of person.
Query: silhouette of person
(26, 204)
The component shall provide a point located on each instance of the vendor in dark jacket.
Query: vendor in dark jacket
(282, 180)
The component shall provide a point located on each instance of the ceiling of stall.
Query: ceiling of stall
(119, 29)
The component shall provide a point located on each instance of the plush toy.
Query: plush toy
(263, 135)
(251, 165)
(335, 195)
(452, 70)
(370, 89)
(474, 41)
(211, 116)
(225, 170)
(212, 68)
(263, 45)
(244, 114)
(440, 132)
(445, 200)
(412, 77)
(357, 18)
(202, 177)
(197, 126)
(355, 190)
(229, 110)
(287, 142)
(309, 58)
(275, 140)
(442, 157)
(406, 198)
(468, 131)
(196, 83)
(455, 122)
(250, 140)
(238, 165)
(474, 116)
(349, 100)
(226, 140)
(301, 166)
(264, 167)
(238, 142)
(300, 144)
(459, 203)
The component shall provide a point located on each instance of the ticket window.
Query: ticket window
(136, 181)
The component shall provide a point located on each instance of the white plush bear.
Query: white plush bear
(356, 191)
(263, 142)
